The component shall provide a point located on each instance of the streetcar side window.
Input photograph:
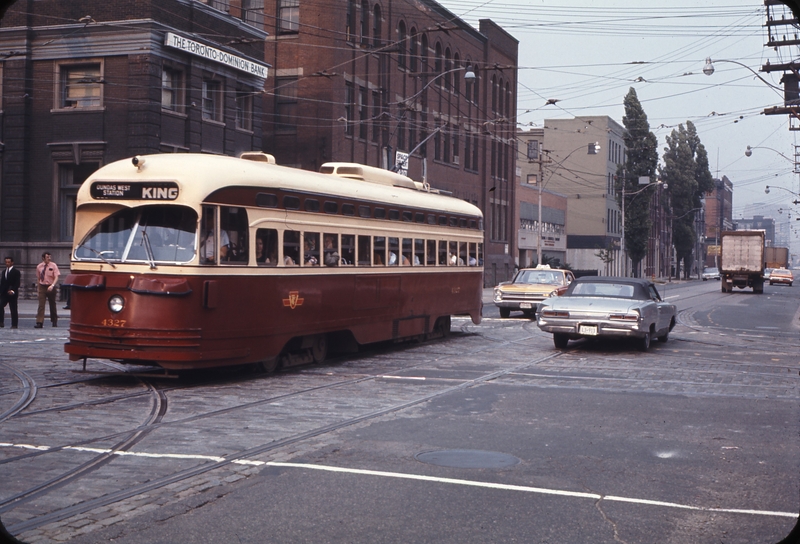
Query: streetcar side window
(291, 248)
(480, 253)
(452, 255)
(311, 249)
(473, 255)
(430, 258)
(364, 250)
(419, 252)
(233, 223)
(212, 241)
(462, 254)
(442, 253)
(379, 250)
(408, 254)
(266, 247)
(394, 250)
(330, 249)
(348, 249)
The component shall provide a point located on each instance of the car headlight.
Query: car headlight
(116, 304)
(553, 293)
(498, 295)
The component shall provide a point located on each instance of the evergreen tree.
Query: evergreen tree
(641, 161)
(686, 172)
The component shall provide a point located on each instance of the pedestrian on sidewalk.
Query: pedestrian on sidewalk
(9, 293)
(47, 274)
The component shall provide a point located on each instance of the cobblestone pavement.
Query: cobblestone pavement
(80, 452)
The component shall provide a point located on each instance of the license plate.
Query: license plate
(525, 305)
(589, 330)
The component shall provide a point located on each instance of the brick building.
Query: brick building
(87, 82)
(373, 81)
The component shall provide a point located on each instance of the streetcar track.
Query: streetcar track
(157, 483)
(157, 412)
(28, 390)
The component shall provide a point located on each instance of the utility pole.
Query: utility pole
(540, 183)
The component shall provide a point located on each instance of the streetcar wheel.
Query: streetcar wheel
(505, 312)
(268, 366)
(560, 340)
(319, 350)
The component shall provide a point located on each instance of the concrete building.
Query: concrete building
(385, 83)
(580, 159)
(87, 82)
(553, 243)
(718, 212)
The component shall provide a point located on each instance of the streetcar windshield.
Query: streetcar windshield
(151, 234)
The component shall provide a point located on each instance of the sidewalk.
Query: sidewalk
(27, 309)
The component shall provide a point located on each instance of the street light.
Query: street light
(767, 189)
(708, 70)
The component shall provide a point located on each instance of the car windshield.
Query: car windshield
(538, 276)
(146, 234)
(603, 289)
(710, 270)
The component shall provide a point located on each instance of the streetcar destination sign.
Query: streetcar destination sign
(158, 190)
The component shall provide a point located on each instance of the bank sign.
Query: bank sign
(214, 54)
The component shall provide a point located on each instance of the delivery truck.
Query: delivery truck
(742, 260)
(776, 257)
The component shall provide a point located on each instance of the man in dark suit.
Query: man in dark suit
(9, 292)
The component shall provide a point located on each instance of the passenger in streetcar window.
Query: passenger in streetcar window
(261, 252)
(310, 250)
(330, 255)
(208, 247)
(291, 248)
(377, 259)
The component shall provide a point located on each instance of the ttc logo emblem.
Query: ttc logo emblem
(294, 300)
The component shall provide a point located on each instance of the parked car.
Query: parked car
(529, 287)
(710, 273)
(781, 275)
(597, 307)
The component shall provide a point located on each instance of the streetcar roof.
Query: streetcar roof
(199, 175)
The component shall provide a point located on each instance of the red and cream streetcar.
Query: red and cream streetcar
(195, 261)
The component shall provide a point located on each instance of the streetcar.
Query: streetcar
(192, 261)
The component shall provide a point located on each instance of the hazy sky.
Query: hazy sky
(587, 54)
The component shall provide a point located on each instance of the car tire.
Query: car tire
(705, 279)
(644, 342)
(505, 312)
(560, 340)
(664, 337)
(530, 314)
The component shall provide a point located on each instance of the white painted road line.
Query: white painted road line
(418, 477)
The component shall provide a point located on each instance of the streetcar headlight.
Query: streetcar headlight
(116, 304)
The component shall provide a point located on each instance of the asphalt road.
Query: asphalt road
(491, 435)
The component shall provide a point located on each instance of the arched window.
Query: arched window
(414, 51)
(448, 65)
(402, 46)
(500, 107)
(423, 54)
(437, 66)
(494, 94)
(476, 85)
(364, 22)
(377, 23)
(508, 101)
(458, 75)
(350, 24)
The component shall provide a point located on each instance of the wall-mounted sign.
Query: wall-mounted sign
(154, 190)
(217, 55)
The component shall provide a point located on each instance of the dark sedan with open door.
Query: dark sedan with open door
(601, 307)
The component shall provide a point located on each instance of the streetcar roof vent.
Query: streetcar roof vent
(367, 173)
(257, 156)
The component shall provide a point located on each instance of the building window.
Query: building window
(457, 75)
(531, 179)
(350, 23)
(402, 46)
(533, 150)
(253, 12)
(212, 100)
(401, 134)
(437, 62)
(171, 89)
(363, 113)
(364, 22)
(456, 158)
(437, 145)
(286, 104)
(289, 16)
(70, 178)
(348, 108)
(244, 110)
(376, 116)
(377, 23)
(448, 66)
(413, 50)
(81, 86)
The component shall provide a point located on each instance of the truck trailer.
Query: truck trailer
(742, 260)
(776, 257)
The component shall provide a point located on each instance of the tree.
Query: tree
(641, 161)
(686, 172)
